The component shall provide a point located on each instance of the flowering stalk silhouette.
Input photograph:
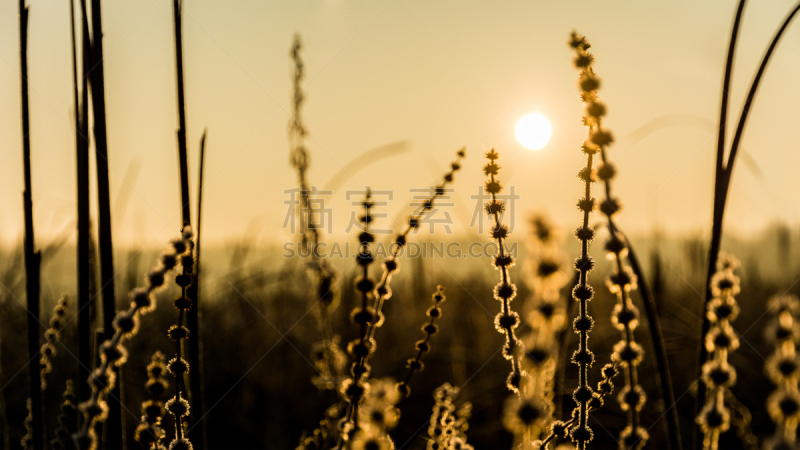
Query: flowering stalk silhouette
(430, 328)
(721, 339)
(447, 427)
(126, 325)
(783, 369)
(560, 429)
(324, 290)
(353, 388)
(52, 336)
(150, 432)
(621, 281)
(177, 366)
(507, 321)
(580, 432)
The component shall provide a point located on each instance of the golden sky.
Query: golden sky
(437, 75)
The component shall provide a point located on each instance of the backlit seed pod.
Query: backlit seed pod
(504, 292)
(126, 322)
(180, 444)
(149, 431)
(447, 427)
(783, 369)
(52, 336)
(625, 317)
(717, 374)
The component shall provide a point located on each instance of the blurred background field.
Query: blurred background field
(259, 331)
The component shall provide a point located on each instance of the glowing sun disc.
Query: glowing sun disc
(533, 131)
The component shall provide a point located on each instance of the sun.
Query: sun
(533, 131)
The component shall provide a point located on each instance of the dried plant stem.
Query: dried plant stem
(430, 328)
(381, 293)
(664, 379)
(382, 290)
(179, 367)
(52, 336)
(298, 155)
(360, 348)
(562, 429)
(192, 314)
(111, 353)
(583, 286)
(83, 221)
(724, 172)
(177, 6)
(719, 206)
(581, 434)
(199, 435)
(115, 423)
(150, 431)
(32, 257)
(507, 320)
(625, 316)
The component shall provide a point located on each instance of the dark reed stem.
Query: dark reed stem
(198, 435)
(83, 219)
(177, 6)
(723, 179)
(32, 257)
(737, 137)
(664, 378)
(115, 429)
(193, 313)
(716, 226)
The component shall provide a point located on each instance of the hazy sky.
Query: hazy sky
(439, 75)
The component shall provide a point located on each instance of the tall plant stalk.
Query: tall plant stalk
(177, 6)
(198, 435)
(724, 172)
(193, 313)
(580, 433)
(625, 317)
(82, 178)
(115, 429)
(364, 346)
(719, 203)
(32, 257)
